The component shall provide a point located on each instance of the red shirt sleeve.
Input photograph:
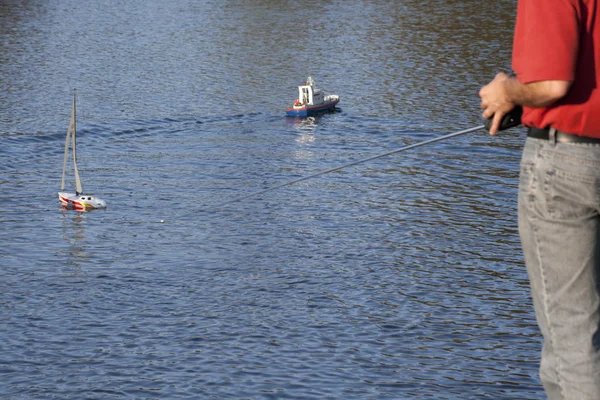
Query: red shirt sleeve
(546, 40)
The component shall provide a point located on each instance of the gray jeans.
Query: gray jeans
(559, 225)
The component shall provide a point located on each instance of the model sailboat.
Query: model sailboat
(77, 200)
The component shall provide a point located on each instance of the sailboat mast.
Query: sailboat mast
(62, 184)
(78, 188)
(69, 132)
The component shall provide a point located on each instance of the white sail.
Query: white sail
(71, 134)
(62, 184)
(73, 124)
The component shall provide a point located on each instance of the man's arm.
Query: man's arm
(504, 93)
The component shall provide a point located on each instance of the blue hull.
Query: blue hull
(310, 110)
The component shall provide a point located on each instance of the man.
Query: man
(556, 57)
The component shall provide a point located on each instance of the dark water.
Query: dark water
(397, 279)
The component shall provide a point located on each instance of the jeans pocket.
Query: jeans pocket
(557, 184)
(569, 195)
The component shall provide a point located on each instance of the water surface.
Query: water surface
(401, 278)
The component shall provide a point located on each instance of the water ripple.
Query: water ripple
(399, 278)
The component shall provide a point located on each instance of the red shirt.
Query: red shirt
(560, 40)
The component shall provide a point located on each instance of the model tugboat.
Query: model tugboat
(77, 200)
(311, 100)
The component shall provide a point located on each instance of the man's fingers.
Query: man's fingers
(496, 123)
(487, 113)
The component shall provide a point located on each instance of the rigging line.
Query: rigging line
(412, 146)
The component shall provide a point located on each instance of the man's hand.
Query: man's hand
(496, 101)
(503, 93)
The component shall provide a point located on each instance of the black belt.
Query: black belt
(561, 137)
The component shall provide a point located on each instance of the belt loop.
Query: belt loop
(552, 137)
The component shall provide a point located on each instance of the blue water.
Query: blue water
(401, 278)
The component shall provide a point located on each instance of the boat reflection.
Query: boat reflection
(306, 128)
(73, 229)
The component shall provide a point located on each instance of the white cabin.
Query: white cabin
(310, 94)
